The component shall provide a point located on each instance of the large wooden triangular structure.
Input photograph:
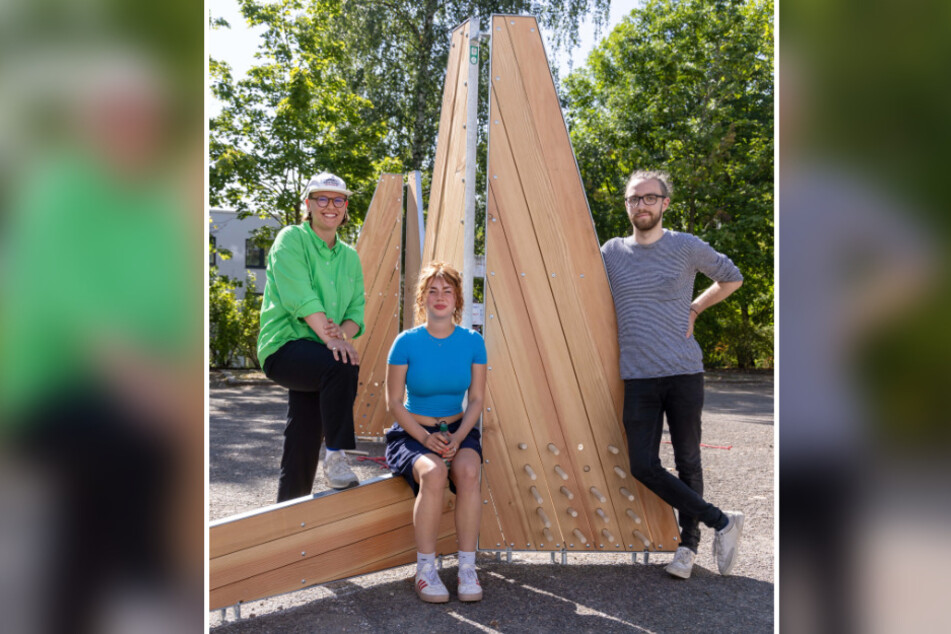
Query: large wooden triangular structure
(558, 477)
(555, 474)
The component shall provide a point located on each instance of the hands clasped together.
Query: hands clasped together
(443, 443)
(337, 341)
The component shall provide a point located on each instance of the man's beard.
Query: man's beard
(647, 224)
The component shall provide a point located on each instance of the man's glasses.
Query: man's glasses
(649, 199)
(323, 201)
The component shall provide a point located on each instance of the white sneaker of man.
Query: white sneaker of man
(429, 587)
(338, 472)
(469, 587)
(726, 542)
(682, 565)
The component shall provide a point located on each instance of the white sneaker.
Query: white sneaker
(429, 586)
(469, 587)
(726, 542)
(337, 471)
(682, 565)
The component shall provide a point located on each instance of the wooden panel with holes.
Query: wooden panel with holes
(554, 313)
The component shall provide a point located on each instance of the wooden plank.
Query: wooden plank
(517, 418)
(490, 532)
(517, 364)
(550, 141)
(523, 179)
(370, 415)
(575, 219)
(311, 543)
(445, 131)
(384, 215)
(522, 271)
(527, 184)
(413, 252)
(379, 248)
(384, 550)
(444, 237)
(296, 516)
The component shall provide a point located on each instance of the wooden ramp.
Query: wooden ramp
(314, 540)
(379, 248)
(557, 467)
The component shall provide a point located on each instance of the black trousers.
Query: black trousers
(321, 392)
(111, 497)
(680, 397)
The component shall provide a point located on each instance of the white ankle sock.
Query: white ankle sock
(423, 558)
(331, 452)
(466, 557)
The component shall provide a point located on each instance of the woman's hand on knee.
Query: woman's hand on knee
(344, 351)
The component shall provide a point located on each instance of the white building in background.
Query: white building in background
(228, 232)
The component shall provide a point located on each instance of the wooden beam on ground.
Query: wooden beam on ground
(313, 540)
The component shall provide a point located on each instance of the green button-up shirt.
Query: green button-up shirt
(305, 276)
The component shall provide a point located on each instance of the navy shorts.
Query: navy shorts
(402, 450)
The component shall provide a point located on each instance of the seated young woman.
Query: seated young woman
(437, 363)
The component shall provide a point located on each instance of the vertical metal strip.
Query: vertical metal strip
(418, 177)
(472, 130)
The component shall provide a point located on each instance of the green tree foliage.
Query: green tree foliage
(353, 86)
(234, 323)
(293, 116)
(687, 86)
(223, 319)
(401, 50)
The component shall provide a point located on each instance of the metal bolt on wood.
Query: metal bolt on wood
(536, 495)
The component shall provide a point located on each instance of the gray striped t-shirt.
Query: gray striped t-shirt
(653, 286)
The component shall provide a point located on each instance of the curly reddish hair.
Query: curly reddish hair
(448, 274)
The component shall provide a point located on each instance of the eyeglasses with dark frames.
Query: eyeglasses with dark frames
(649, 199)
(323, 201)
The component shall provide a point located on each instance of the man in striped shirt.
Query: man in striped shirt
(652, 274)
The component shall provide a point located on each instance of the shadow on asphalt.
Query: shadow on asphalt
(531, 597)
(246, 434)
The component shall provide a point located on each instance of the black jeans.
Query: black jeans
(321, 392)
(680, 397)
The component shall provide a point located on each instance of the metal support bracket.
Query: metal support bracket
(472, 130)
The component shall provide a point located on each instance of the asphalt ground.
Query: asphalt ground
(597, 592)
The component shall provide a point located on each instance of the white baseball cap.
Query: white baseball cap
(326, 182)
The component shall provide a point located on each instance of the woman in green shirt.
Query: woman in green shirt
(313, 306)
